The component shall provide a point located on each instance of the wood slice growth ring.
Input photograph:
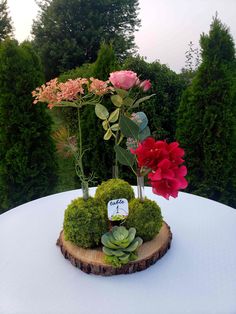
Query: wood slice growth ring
(92, 260)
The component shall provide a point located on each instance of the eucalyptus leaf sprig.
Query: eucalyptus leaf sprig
(119, 124)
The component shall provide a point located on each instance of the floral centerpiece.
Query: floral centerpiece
(88, 220)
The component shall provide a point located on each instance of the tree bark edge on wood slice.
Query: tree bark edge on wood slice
(91, 260)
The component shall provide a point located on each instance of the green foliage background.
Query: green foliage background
(206, 119)
(27, 163)
(69, 33)
(5, 21)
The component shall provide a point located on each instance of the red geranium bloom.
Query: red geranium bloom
(165, 188)
(175, 153)
(150, 153)
(167, 180)
(164, 161)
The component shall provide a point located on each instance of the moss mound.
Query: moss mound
(114, 189)
(145, 217)
(85, 222)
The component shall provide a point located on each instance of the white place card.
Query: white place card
(116, 208)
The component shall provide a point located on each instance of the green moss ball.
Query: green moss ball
(114, 189)
(145, 217)
(85, 222)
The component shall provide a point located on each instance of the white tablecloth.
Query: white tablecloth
(197, 275)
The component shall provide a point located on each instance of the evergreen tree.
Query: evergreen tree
(5, 21)
(68, 33)
(27, 164)
(206, 122)
(106, 62)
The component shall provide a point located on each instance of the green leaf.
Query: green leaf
(106, 242)
(124, 156)
(139, 101)
(132, 247)
(101, 112)
(105, 125)
(129, 128)
(107, 251)
(121, 92)
(128, 101)
(121, 139)
(115, 127)
(114, 116)
(117, 100)
(108, 135)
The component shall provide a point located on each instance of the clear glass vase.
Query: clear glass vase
(85, 190)
(140, 187)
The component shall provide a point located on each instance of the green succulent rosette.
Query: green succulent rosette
(120, 245)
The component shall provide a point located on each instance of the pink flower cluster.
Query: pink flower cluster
(54, 92)
(163, 161)
(99, 87)
(127, 80)
(70, 90)
(46, 93)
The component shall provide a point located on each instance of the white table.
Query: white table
(197, 275)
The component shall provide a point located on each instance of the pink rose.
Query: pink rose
(123, 79)
(145, 85)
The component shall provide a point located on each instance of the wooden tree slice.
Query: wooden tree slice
(92, 260)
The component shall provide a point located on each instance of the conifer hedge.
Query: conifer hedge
(27, 162)
(206, 119)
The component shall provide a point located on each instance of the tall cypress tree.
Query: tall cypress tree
(206, 123)
(106, 62)
(27, 163)
(5, 21)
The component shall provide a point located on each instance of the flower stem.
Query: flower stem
(84, 181)
(80, 144)
(115, 167)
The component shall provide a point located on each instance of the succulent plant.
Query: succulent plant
(120, 245)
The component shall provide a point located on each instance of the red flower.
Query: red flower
(150, 153)
(164, 161)
(167, 180)
(175, 153)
